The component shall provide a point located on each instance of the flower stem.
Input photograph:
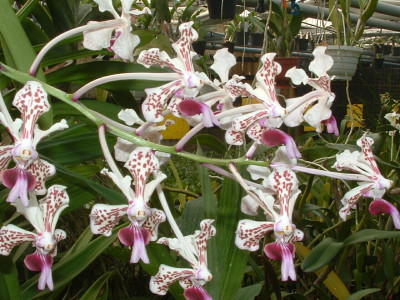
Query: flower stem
(125, 76)
(115, 130)
(244, 185)
(172, 223)
(107, 153)
(59, 38)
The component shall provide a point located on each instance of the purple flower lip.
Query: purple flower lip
(196, 293)
(37, 262)
(380, 206)
(20, 181)
(275, 137)
(137, 238)
(285, 253)
(191, 108)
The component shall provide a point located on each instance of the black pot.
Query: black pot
(378, 48)
(230, 46)
(301, 44)
(377, 63)
(199, 47)
(396, 51)
(242, 39)
(257, 39)
(387, 49)
(228, 9)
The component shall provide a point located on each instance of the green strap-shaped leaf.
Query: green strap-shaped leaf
(9, 283)
(321, 255)
(96, 287)
(249, 292)
(363, 293)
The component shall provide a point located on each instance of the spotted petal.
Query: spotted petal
(157, 99)
(141, 163)
(350, 199)
(250, 232)
(367, 157)
(265, 91)
(11, 236)
(153, 56)
(103, 217)
(284, 181)
(5, 157)
(201, 238)
(41, 170)
(151, 224)
(32, 102)
(52, 205)
(166, 276)
(183, 45)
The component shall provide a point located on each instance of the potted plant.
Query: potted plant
(344, 53)
(284, 25)
(238, 29)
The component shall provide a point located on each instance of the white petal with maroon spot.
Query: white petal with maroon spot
(103, 217)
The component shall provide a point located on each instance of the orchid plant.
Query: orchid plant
(289, 217)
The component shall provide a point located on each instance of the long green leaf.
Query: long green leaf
(360, 294)
(9, 283)
(321, 255)
(94, 290)
(370, 234)
(233, 264)
(249, 292)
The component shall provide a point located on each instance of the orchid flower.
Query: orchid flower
(43, 216)
(124, 42)
(143, 220)
(283, 183)
(364, 163)
(393, 118)
(185, 88)
(197, 112)
(313, 107)
(98, 35)
(261, 124)
(194, 250)
(30, 172)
